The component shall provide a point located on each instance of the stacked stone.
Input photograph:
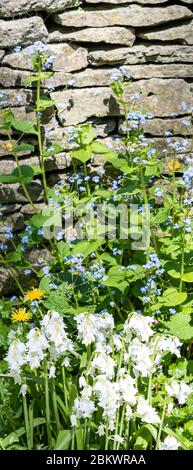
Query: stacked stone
(87, 41)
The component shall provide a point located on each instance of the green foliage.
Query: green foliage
(181, 326)
(94, 274)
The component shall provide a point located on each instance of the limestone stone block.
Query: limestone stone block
(15, 97)
(158, 96)
(66, 58)
(76, 106)
(22, 32)
(141, 54)
(132, 15)
(9, 8)
(180, 33)
(111, 35)
(15, 221)
(11, 193)
(143, 2)
(158, 127)
(103, 76)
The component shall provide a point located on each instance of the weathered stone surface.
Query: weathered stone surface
(15, 221)
(65, 58)
(165, 150)
(112, 35)
(15, 97)
(181, 33)
(143, 2)
(14, 7)
(5, 147)
(133, 15)
(22, 32)
(103, 77)
(38, 258)
(12, 78)
(161, 97)
(27, 209)
(8, 165)
(60, 161)
(158, 127)
(11, 193)
(9, 208)
(83, 104)
(59, 135)
(2, 53)
(142, 54)
(160, 71)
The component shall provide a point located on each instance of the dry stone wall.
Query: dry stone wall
(87, 41)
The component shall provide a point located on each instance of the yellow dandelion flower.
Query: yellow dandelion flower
(173, 165)
(21, 314)
(34, 294)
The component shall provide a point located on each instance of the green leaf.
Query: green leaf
(21, 431)
(188, 276)
(181, 326)
(83, 155)
(46, 75)
(32, 78)
(14, 256)
(44, 103)
(8, 179)
(131, 188)
(141, 443)
(63, 249)
(25, 173)
(87, 134)
(47, 218)
(108, 258)
(189, 427)
(151, 170)
(179, 368)
(36, 169)
(23, 147)
(98, 147)
(171, 297)
(53, 150)
(86, 247)
(173, 269)
(144, 436)
(63, 440)
(56, 301)
(24, 126)
(116, 278)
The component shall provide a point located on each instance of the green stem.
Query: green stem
(161, 426)
(38, 110)
(182, 260)
(26, 419)
(47, 407)
(116, 429)
(107, 435)
(87, 183)
(65, 391)
(145, 197)
(55, 406)
(121, 424)
(24, 187)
